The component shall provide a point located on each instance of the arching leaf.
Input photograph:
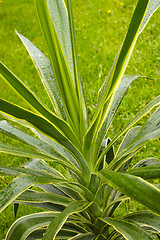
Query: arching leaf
(56, 225)
(130, 231)
(134, 187)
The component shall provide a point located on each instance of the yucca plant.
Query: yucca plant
(79, 198)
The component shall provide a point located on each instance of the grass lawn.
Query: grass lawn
(100, 28)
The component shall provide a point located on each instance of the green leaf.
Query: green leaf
(73, 45)
(151, 125)
(86, 147)
(23, 90)
(41, 171)
(51, 189)
(113, 205)
(15, 171)
(145, 218)
(78, 83)
(73, 187)
(63, 21)
(58, 62)
(130, 151)
(37, 164)
(125, 51)
(155, 102)
(130, 231)
(83, 116)
(39, 149)
(57, 147)
(46, 128)
(130, 135)
(121, 61)
(134, 187)
(142, 113)
(59, 15)
(152, 7)
(34, 119)
(27, 224)
(35, 196)
(109, 110)
(147, 162)
(45, 71)
(136, 146)
(62, 24)
(43, 206)
(79, 188)
(70, 192)
(149, 172)
(100, 195)
(19, 185)
(22, 152)
(70, 225)
(30, 97)
(56, 225)
(27, 227)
